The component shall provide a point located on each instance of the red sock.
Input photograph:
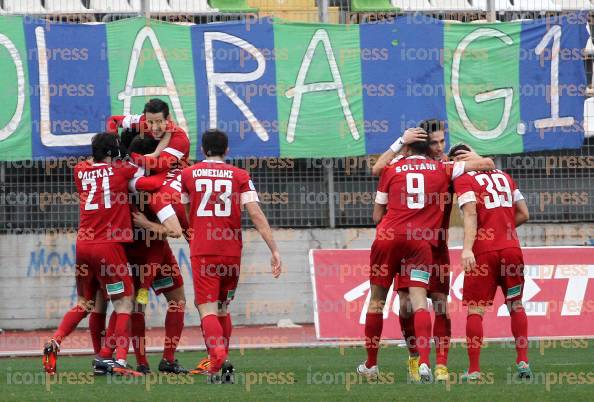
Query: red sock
(122, 335)
(227, 328)
(108, 340)
(407, 326)
(71, 319)
(138, 331)
(519, 327)
(423, 334)
(474, 340)
(374, 323)
(97, 329)
(174, 325)
(442, 332)
(213, 337)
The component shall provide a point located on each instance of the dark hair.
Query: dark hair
(104, 145)
(458, 147)
(432, 125)
(144, 145)
(214, 142)
(420, 147)
(156, 105)
(126, 139)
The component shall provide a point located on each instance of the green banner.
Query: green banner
(15, 113)
(480, 69)
(320, 108)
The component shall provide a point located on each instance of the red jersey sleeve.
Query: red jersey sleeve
(185, 193)
(464, 188)
(453, 169)
(148, 183)
(247, 189)
(516, 194)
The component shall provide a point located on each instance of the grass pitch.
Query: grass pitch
(563, 370)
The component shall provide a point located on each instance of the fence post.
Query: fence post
(323, 10)
(331, 205)
(491, 10)
(145, 9)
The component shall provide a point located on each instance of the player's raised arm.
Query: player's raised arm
(410, 135)
(381, 198)
(262, 226)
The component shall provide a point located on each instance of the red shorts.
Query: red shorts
(102, 265)
(503, 268)
(410, 260)
(154, 266)
(215, 278)
(439, 282)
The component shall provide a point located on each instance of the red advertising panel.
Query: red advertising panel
(558, 295)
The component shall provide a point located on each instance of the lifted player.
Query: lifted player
(215, 192)
(492, 207)
(174, 145)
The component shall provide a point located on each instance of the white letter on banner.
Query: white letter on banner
(220, 79)
(47, 137)
(554, 120)
(578, 276)
(169, 90)
(507, 93)
(301, 88)
(14, 122)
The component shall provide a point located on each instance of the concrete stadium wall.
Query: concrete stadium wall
(37, 280)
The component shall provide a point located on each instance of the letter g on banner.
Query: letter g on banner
(506, 93)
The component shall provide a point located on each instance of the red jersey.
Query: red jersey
(495, 194)
(104, 207)
(415, 190)
(165, 200)
(216, 191)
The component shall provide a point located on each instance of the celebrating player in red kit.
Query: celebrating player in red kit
(493, 207)
(174, 146)
(214, 193)
(105, 225)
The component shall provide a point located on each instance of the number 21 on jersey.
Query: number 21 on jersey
(91, 186)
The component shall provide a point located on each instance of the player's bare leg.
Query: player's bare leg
(407, 327)
(70, 321)
(374, 323)
(442, 333)
(422, 321)
(519, 327)
(213, 337)
(174, 325)
(474, 340)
